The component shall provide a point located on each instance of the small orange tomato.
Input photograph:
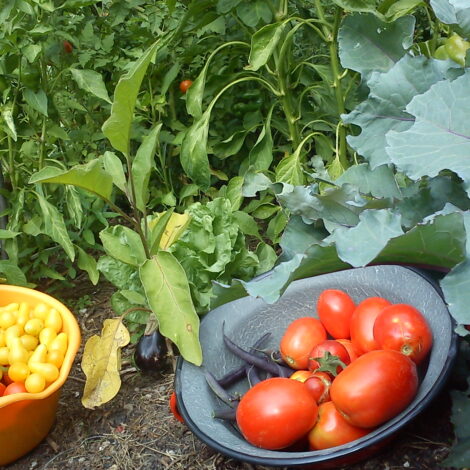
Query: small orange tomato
(174, 408)
(184, 85)
(14, 387)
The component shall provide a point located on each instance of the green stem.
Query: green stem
(42, 144)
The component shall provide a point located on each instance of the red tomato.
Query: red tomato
(362, 323)
(184, 85)
(319, 356)
(14, 387)
(335, 309)
(403, 328)
(300, 337)
(68, 47)
(375, 387)
(2, 389)
(276, 412)
(332, 429)
(353, 351)
(174, 408)
(319, 384)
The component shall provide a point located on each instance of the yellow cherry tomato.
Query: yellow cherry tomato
(40, 311)
(39, 354)
(49, 371)
(46, 335)
(29, 342)
(18, 371)
(13, 307)
(59, 343)
(17, 352)
(35, 383)
(14, 331)
(55, 357)
(7, 319)
(4, 351)
(53, 320)
(2, 338)
(34, 326)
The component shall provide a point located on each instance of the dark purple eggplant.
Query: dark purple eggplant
(151, 352)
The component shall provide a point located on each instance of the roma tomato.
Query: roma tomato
(353, 351)
(335, 308)
(403, 328)
(301, 375)
(14, 387)
(184, 85)
(375, 387)
(276, 412)
(326, 355)
(362, 323)
(319, 384)
(300, 337)
(332, 429)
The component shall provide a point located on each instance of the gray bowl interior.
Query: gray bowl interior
(249, 318)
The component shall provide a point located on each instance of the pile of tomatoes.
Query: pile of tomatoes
(32, 347)
(355, 367)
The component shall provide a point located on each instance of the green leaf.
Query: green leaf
(234, 192)
(158, 230)
(400, 8)
(167, 291)
(122, 275)
(247, 224)
(142, 167)
(453, 12)
(254, 11)
(7, 115)
(124, 244)
(89, 176)
(385, 109)
(5, 234)
(37, 100)
(359, 5)
(54, 226)
(193, 154)
(368, 44)
(261, 154)
(88, 264)
(117, 128)
(91, 82)
(263, 44)
(31, 51)
(13, 273)
(114, 167)
(289, 170)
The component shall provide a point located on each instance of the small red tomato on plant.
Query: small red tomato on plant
(362, 323)
(184, 85)
(319, 384)
(68, 47)
(335, 308)
(276, 412)
(300, 337)
(329, 356)
(403, 328)
(14, 387)
(332, 429)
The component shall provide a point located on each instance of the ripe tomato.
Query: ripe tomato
(174, 408)
(184, 85)
(319, 357)
(300, 337)
(301, 375)
(319, 384)
(335, 309)
(353, 351)
(362, 323)
(68, 47)
(375, 387)
(14, 387)
(403, 328)
(276, 412)
(332, 429)
(2, 389)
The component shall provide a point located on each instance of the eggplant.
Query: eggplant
(151, 352)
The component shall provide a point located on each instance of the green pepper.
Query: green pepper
(441, 53)
(456, 48)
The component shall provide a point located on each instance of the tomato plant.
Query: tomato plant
(184, 85)
(300, 337)
(362, 323)
(276, 412)
(332, 429)
(375, 387)
(403, 328)
(335, 308)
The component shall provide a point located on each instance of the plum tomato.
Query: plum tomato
(184, 85)
(332, 429)
(362, 323)
(330, 355)
(335, 308)
(301, 375)
(276, 412)
(14, 387)
(403, 328)
(319, 384)
(353, 351)
(375, 387)
(300, 337)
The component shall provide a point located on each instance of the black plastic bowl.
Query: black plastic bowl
(248, 318)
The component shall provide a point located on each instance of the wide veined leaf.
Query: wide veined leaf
(166, 228)
(90, 176)
(385, 108)
(289, 170)
(12, 273)
(368, 44)
(88, 263)
(399, 8)
(117, 128)
(440, 137)
(453, 12)
(363, 6)
(261, 154)
(92, 82)
(37, 100)
(263, 44)
(122, 275)
(124, 244)
(167, 291)
(113, 166)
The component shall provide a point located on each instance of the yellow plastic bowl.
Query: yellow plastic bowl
(26, 418)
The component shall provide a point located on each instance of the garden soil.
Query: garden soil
(136, 431)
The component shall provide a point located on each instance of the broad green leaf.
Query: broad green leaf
(13, 274)
(5, 234)
(234, 192)
(91, 82)
(267, 258)
(368, 44)
(169, 77)
(453, 12)
(254, 183)
(142, 166)
(289, 170)
(359, 245)
(54, 226)
(124, 244)
(156, 225)
(261, 154)
(440, 137)
(224, 6)
(114, 167)
(362, 6)
(101, 363)
(117, 128)
(193, 154)
(86, 262)
(263, 44)
(254, 11)
(31, 51)
(400, 8)
(89, 176)
(167, 291)
(74, 205)
(385, 109)
(230, 146)
(247, 224)
(37, 100)
(122, 275)
(167, 227)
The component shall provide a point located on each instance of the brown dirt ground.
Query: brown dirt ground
(135, 431)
